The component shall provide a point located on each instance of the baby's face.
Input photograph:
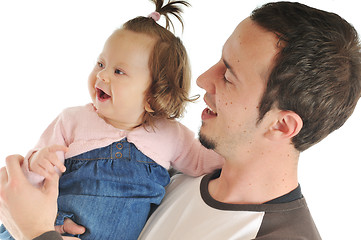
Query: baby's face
(120, 78)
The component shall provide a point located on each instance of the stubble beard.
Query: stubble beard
(206, 142)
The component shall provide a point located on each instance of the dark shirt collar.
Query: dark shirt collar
(288, 197)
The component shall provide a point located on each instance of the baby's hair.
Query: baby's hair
(168, 92)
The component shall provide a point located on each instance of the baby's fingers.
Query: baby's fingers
(40, 170)
(56, 162)
(54, 159)
(48, 166)
(55, 148)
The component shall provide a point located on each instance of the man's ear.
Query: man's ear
(287, 125)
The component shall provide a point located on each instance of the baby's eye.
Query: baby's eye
(117, 71)
(100, 64)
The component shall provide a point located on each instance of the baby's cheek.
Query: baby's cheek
(92, 94)
(91, 90)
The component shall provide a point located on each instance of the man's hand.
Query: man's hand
(70, 227)
(26, 211)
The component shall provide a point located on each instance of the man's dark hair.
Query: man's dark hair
(317, 72)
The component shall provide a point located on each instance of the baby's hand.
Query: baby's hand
(43, 161)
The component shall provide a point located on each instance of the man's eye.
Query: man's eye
(225, 79)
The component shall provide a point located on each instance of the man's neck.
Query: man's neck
(255, 180)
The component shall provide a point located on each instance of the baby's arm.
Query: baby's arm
(53, 135)
(193, 159)
(43, 161)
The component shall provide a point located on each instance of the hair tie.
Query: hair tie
(155, 16)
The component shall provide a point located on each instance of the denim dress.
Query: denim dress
(110, 191)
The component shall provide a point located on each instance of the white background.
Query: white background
(48, 48)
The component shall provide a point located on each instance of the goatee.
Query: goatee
(206, 142)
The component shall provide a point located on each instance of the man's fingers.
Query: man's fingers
(73, 228)
(59, 229)
(3, 183)
(70, 238)
(13, 166)
(70, 227)
(3, 176)
(51, 184)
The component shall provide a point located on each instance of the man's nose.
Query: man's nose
(206, 80)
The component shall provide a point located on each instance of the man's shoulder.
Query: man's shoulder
(295, 217)
(180, 180)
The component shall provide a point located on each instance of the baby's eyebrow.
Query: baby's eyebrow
(101, 55)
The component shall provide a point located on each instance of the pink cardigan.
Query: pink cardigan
(170, 144)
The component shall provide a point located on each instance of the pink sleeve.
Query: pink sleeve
(194, 159)
(54, 134)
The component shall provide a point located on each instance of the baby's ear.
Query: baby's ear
(288, 125)
(147, 107)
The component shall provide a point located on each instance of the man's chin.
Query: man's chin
(206, 142)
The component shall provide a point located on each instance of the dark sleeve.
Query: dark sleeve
(290, 223)
(52, 235)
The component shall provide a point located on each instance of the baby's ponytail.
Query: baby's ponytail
(168, 92)
(173, 8)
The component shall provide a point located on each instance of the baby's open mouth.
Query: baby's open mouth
(102, 96)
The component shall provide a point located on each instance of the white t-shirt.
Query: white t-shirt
(189, 212)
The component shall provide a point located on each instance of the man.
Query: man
(288, 76)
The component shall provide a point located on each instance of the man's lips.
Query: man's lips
(208, 113)
(101, 95)
(209, 109)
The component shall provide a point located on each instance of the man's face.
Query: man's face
(234, 87)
